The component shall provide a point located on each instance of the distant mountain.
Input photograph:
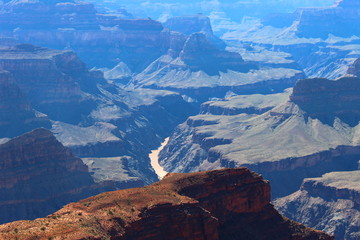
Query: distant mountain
(224, 204)
(234, 9)
(323, 41)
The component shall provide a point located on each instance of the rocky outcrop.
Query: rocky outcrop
(327, 100)
(50, 79)
(315, 22)
(355, 68)
(330, 203)
(16, 113)
(200, 54)
(224, 204)
(194, 24)
(307, 136)
(39, 176)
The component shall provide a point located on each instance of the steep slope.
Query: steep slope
(223, 204)
(315, 132)
(39, 176)
(330, 203)
(51, 80)
(346, 13)
(355, 68)
(16, 113)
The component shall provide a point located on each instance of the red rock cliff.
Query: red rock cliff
(222, 204)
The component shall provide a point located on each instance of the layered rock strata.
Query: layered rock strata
(16, 113)
(313, 133)
(223, 204)
(39, 176)
(329, 203)
(51, 80)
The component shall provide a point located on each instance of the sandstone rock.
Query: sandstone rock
(225, 204)
(39, 176)
(330, 203)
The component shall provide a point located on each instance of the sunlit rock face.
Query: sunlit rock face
(224, 204)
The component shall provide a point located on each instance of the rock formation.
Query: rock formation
(194, 24)
(224, 204)
(315, 22)
(291, 141)
(16, 113)
(200, 54)
(329, 100)
(355, 68)
(329, 203)
(50, 79)
(39, 176)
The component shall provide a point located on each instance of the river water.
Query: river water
(154, 157)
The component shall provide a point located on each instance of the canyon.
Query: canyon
(88, 92)
(294, 138)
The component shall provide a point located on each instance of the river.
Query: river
(154, 157)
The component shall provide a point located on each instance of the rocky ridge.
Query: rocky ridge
(329, 203)
(203, 204)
